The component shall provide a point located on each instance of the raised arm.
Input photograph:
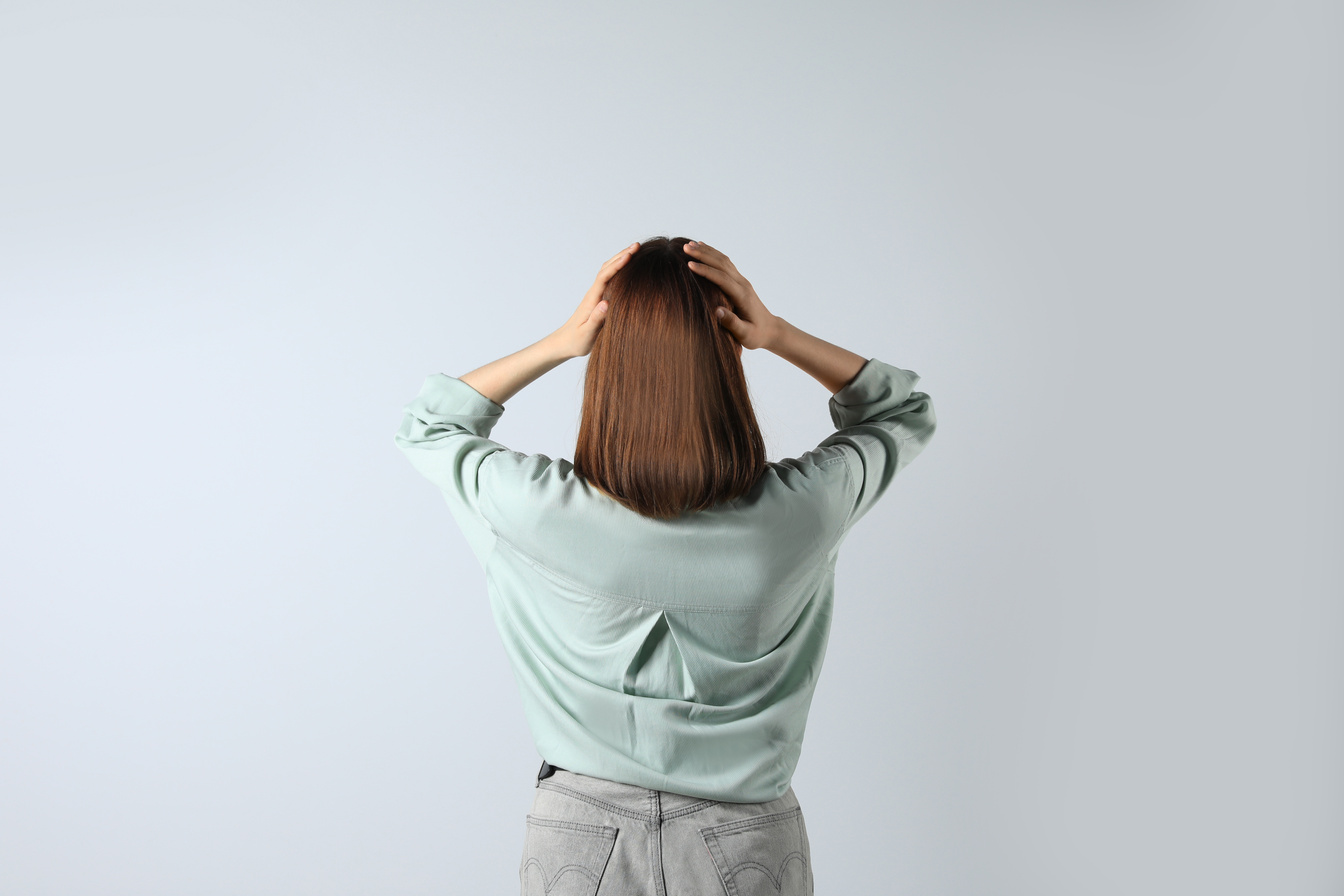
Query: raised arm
(752, 324)
(881, 423)
(832, 366)
(503, 378)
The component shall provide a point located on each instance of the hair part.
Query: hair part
(667, 426)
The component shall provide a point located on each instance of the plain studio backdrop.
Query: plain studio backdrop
(1092, 642)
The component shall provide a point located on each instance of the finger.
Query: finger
(731, 322)
(621, 255)
(708, 254)
(598, 314)
(611, 267)
(724, 280)
(626, 251)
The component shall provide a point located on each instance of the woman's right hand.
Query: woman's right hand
(748, 320)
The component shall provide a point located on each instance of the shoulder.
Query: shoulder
(828, 468)
(527, 496)
(506, 471)
(514, 484)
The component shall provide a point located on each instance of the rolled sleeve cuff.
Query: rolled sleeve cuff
(876, 388)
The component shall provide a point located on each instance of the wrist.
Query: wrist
(558, 348)
(775, 333)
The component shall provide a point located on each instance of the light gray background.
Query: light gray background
(1091, 643)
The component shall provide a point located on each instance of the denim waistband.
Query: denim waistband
(633, 800)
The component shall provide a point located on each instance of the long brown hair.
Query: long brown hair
(667, 425)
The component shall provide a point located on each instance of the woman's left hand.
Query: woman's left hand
(577, 335)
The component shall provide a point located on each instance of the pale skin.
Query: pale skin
(747, 319)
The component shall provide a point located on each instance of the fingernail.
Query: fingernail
(718, 312)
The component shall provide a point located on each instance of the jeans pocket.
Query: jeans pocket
(564, 858)
(767, 854)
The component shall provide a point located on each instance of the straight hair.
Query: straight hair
(667, 425)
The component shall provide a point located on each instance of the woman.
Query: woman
(665, 599)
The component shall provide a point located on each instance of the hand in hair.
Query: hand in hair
(748, 319)
(580, 330)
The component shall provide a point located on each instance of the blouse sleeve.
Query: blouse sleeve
(445, 433)
(881, 425)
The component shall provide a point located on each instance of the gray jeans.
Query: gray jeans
(593, 837)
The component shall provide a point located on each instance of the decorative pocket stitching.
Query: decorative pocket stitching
(601, 838)
(729, 869)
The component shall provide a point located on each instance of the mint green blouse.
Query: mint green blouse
(678, 655)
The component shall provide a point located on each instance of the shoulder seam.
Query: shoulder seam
(853, 496)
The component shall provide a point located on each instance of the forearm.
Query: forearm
(828, 364)
(501, 380)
